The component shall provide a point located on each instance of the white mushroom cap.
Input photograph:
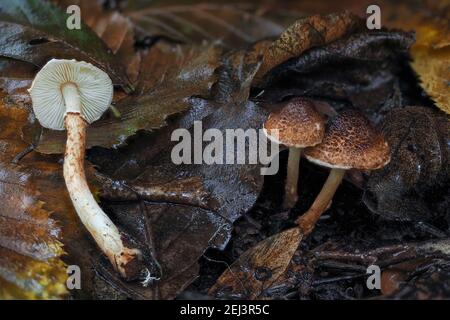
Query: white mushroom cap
(94, 87)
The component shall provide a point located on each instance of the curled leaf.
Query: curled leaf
(304, 34)
(414, 185)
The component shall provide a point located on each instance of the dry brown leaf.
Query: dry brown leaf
(259, 267)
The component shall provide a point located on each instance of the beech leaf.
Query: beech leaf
(30, 238)
(36, 31)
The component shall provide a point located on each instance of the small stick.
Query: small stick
(22, 154)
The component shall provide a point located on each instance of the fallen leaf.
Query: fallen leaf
(304, 34)
(419, 168)
(199, 203)
(431, 51)
(30, 238)
(235, 26)
(36, 31)
(258, 268)
(348, 72)
(16, 77)
(116, 31)
(431, 61)
(167, 88)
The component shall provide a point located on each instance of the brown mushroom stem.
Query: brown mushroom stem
(98, 224)
(308, 220)
(291, 195)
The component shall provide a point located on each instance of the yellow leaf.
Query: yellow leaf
(431, 52)
(431, 61)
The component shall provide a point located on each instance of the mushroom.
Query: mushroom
(70, 94)
(298, 125)
(350, 142)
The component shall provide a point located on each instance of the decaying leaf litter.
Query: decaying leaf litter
(176, 213)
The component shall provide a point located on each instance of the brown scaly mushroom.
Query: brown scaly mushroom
(67, 94)
(298, 125)
(350, 142)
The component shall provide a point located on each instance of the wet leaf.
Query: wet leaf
(415, 185)
(116, 31)
(305, 34)
(349, 72)
(199, 204)
(30, 238)
(234, 25)
(167, 87)
(15, 78)
(35, 31)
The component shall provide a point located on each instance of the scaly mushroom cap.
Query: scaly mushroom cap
(94, 87)
(351, 142)
(299, 124)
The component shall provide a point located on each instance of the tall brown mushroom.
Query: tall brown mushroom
(70, 94)
(350, 142)
(298, 125)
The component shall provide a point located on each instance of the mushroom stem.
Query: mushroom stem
(308, 220)
(291, 196)
(71, 98)
(98, 224)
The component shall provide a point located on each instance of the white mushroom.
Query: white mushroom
(70, 94)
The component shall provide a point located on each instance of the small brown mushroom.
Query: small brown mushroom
(297, 125)
(68, 94)
(350, 142)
